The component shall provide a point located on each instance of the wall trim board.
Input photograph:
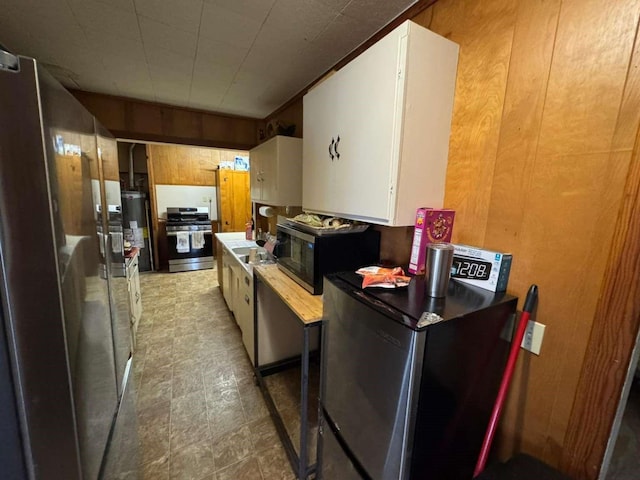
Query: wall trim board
(124, 135)
(142, 120)
(610, 343)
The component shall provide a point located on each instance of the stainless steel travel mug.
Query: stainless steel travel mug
(438, 268)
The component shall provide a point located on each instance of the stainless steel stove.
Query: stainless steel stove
(189, 238)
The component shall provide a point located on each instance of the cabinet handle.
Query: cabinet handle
(335, 147)
(246, 280)
(331, 153)
(246, 299)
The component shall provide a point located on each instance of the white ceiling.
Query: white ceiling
(244, 57)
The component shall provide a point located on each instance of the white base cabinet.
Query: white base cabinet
(135, 297)
(237, 288)
(276, 171)
(244, 311)
(377, 131)
(227, 284)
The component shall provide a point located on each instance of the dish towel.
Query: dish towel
(197, 240)
(182, 242)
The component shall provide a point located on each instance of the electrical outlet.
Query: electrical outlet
(533, 335)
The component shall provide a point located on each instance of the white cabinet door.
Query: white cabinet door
(268, 171)
(227, 283)
(135, 296)
(318, 151)
(255, 160)
(367, 123)
(246, 313)
(276, 177)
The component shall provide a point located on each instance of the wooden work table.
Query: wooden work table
(287, 323)
(307, 307)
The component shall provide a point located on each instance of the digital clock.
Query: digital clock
(482, 268)
(470, 268)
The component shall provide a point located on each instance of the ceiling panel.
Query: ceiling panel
(121, 4)
(183, 14)
(219, 75)
(245, 57)
(256, 10)
(227, 26)
(103, 17)
(219, 53)
(157, 34)
(308, 17)
(162, 60)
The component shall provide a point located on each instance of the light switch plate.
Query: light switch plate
(533, 336)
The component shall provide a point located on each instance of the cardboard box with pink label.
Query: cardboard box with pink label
(432, 226)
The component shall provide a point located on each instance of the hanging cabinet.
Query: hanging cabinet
(377, 131)
(276, 172)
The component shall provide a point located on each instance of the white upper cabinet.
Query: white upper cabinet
(276, 171)
(377, 131)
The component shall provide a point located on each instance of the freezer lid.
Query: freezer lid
(412, 302)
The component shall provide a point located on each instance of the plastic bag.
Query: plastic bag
(383, 277)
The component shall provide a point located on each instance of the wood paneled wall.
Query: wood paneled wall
(180, 165)
(542, 164)
(545, 118)
(138, 120)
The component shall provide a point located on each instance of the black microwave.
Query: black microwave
(307, 257)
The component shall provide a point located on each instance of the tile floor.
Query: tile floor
(200, 415)
(625, 461)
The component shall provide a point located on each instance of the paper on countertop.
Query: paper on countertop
(182, 242)
(383, 277)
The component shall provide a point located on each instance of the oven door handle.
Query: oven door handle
(175, 234)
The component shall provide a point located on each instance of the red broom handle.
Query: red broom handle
(530, 302)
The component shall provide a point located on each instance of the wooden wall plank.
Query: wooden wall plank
(617, 317)
(617, 320)
(530, 62)
(153, 122)
(587, 79)
(145, 118)
(480, 91)
(538, 161)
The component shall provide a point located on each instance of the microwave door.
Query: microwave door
(297, 253)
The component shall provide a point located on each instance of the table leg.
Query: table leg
(304, 401)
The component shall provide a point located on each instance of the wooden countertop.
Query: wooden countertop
(307, 307)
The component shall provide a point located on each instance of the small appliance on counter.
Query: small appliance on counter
(189, 238)
(306, 253)
(408, 380)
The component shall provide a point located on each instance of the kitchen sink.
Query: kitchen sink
(262, 257)
(242, 250)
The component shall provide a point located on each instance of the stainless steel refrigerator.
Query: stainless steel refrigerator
(65, 349)
(408, 381)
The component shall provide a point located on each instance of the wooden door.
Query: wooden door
(235, 200)
(225, 197)
(241, 199)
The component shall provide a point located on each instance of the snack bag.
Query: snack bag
(383, 277)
